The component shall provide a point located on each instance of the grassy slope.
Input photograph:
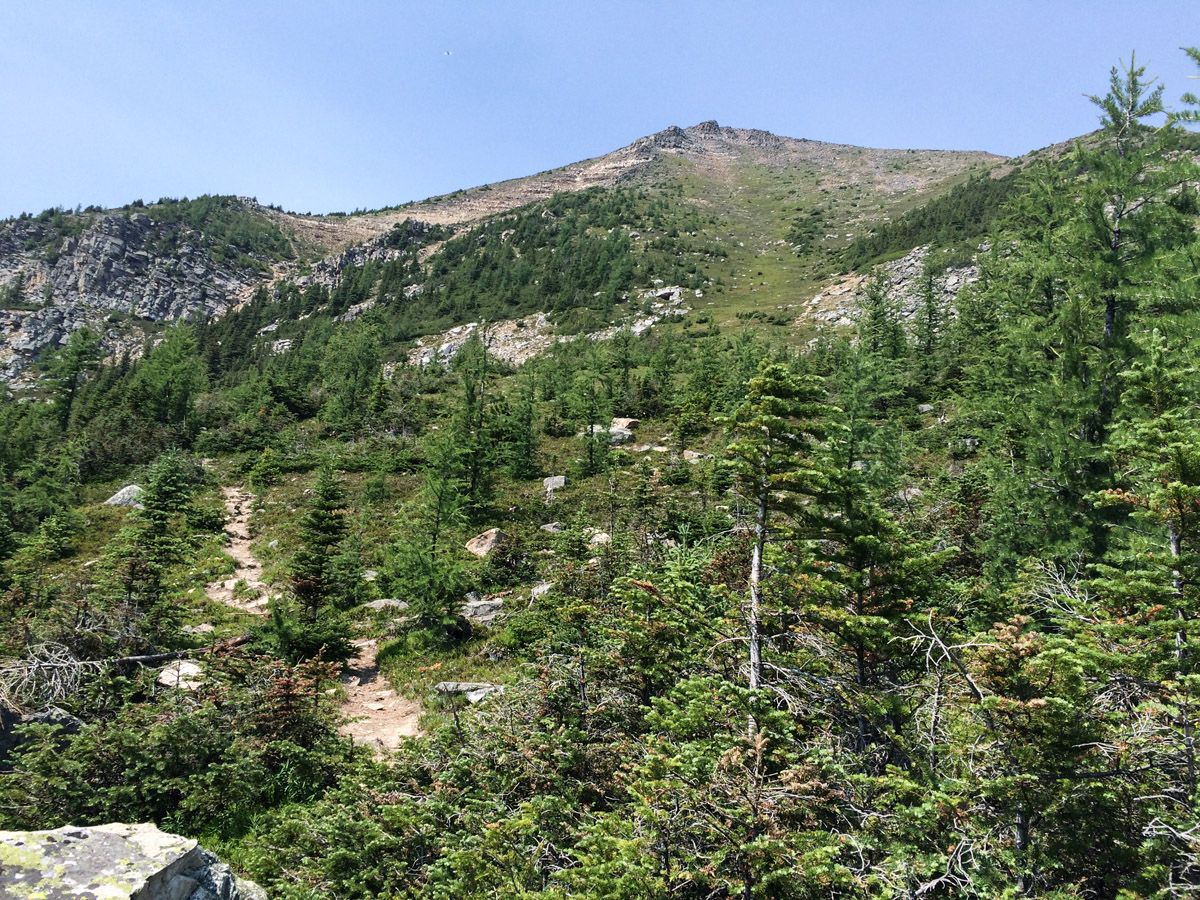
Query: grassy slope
(763, 280)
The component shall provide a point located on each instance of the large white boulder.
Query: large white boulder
(182, 673)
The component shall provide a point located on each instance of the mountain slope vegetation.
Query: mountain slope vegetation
(726, 606)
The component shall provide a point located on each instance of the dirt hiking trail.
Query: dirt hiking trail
(253, 595)
(379, 717)
(376, 715)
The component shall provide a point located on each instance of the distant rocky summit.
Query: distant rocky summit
(113, 862)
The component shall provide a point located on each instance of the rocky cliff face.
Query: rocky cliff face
(113, 272)
(114, 861)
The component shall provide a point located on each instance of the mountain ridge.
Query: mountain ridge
(126, 271)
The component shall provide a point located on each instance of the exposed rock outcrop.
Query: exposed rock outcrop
(840, 302)
(116, 270)
(516, 341)
(113, 862)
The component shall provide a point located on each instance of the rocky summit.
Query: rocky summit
(113, 862)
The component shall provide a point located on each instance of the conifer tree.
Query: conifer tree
(473, 422)
(319, 586)
(69, 368)
(166, 383)
(774, 432)
(424, 568)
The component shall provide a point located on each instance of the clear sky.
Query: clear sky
(321, 106)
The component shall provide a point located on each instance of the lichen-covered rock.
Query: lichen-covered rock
(112, 862)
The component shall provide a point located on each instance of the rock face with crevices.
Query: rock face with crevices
(110, 271)
(112, 862)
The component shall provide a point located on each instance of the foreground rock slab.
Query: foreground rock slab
(114, 862)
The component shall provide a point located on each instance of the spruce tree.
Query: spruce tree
(310, 621)
(774, 434)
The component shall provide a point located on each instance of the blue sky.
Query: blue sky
(322, 106)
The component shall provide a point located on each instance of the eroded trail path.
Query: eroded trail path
(376, 715)
(252, 595)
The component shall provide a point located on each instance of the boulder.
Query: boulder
(692, 456)
(625, 424)
(115, 861)
(183, 674)
(619, 436)
(540, 589)
(554, 483)
(482, 611)
(386, 603)
(130, 495)
(474, 691)
(598, 538)
(614, 435)
(483, 544)
(552, 527)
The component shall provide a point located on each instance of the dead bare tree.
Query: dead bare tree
(50, 673)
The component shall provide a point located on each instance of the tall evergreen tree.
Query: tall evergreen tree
(774, 433)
